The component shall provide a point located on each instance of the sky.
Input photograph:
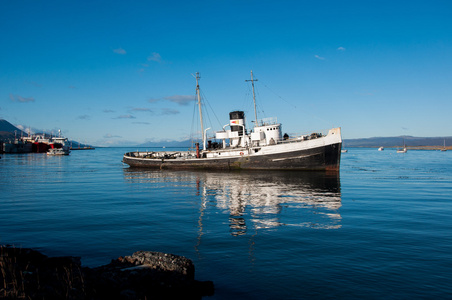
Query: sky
(111, 73)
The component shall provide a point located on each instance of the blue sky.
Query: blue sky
(120, 72)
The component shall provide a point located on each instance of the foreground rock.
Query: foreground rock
(28, 274)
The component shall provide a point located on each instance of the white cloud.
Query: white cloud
(153, 100)
(108, 111)
(341, 49)
(110, 136)
(30, 129)
(17, 98)
(155, 57)
(84, 117)
(319, 57)
(180, 99)
(142, 109)
(119, 51)
(125, 117)
(169, 111)
(143, 67)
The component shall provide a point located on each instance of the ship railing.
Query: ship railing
(267, 121)
(296, 138)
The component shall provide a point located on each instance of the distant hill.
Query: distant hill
(178, 144)
(7, 126)
(8, 130)
(397, 141)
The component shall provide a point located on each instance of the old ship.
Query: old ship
(263, 148)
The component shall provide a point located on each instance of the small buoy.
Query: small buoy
(241, 153)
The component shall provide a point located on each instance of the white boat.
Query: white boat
(59, 145)
(444, 148)
(381, 149)
(57, 151)
(402, 150)
(263, 148)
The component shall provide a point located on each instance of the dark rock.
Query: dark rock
(26, 273)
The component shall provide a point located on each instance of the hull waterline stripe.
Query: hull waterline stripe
(296, 157)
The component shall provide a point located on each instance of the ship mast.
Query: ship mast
(254, 97)
(198, 94)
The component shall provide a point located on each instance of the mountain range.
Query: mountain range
(7, 131)
(397, 141)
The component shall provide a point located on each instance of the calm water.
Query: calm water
(382, 229)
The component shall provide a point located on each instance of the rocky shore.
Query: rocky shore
(29, 274)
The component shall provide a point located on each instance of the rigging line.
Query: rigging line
(195, 130)
(278, 95)
(245, 99)
(248, 104)
(194, 125)
(206, 104)
(260, 108)
(206, 113)
(207, 119)
(310, 112)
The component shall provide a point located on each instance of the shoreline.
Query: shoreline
(432, 148)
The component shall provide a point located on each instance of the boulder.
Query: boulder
(27, 273)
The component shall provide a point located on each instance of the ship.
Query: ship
(59, 145)
(40, 142)
(264, 147)
(43, 143)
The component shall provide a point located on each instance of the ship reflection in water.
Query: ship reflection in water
(258, 200)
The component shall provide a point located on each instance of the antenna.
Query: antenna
(254, 96)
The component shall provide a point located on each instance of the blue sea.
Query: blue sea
(381, 229)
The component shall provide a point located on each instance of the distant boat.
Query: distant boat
(444, 149)
(344, 150)
(58, 151)
(381, 149)
(59, 145)
(403, 150)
